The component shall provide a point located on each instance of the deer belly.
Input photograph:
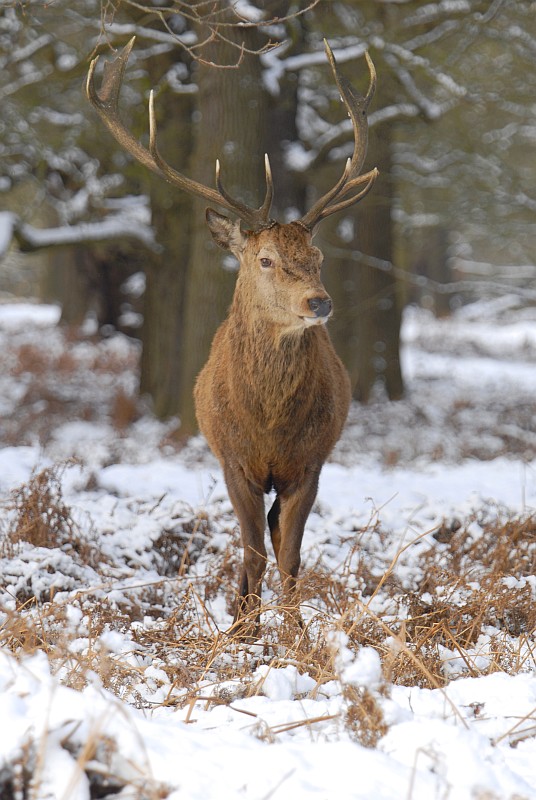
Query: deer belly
(277, 462)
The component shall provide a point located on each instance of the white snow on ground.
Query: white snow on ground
(434, 748)
(463, 440)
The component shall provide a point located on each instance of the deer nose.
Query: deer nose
(320, 306)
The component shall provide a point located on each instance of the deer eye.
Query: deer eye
(266, 263)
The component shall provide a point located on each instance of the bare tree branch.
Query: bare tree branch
(219, 17)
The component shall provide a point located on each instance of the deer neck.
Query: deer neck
(274, 366)
(258, 333)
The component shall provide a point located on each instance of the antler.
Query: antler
(106, 102)
(356, 106)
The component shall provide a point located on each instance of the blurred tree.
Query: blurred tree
(48, 146)
(435, 88)
(468, 173)
(167, 270)
(232, 104)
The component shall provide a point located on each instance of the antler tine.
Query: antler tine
(369, 178)
(172, 175)
(356, 106)
(259, 217)
(106, 102)
(373, 80)
(269, 196)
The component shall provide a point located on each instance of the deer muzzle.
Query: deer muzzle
(319, 310)
(320, 306)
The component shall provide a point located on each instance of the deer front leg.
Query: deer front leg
(248, 504)
(295, 506)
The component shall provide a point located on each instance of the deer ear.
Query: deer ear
(226, 234)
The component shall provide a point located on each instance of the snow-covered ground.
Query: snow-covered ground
(142, 707)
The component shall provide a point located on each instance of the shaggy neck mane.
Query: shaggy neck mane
(275, 367)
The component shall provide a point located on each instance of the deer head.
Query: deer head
(279, 279)
(279, 266)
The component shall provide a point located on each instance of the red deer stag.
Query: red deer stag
(273, 396)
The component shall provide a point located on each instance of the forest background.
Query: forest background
(451, 130)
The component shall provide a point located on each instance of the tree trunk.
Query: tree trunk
(230, 125)
(290, 186)
(167, 272)
(433, 264)
(378, 324)
(366, 294)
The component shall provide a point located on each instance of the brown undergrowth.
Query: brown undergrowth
(69, 375)
(459, 600)
(36, 514)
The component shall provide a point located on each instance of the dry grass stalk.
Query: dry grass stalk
(465, 588)
(36, 514)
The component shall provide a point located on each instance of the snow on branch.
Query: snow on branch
(30, 239)
(427, 165)
(275, 66)
(494, 288)
(124, 29)
(432, 36)
(435, 11)
(516, 35)
(23, 54)
(392, 112)
(522, 199)
(299, 159)
(403, 55)
(30, 77)
(7, 224)
(431, 109)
